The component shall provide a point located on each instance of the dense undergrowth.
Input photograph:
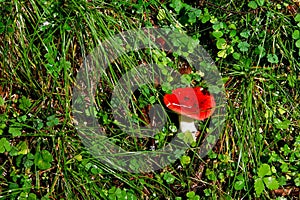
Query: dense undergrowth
(256, 47)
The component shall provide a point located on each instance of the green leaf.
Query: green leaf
(177, 5)
(13, 151)
(187, 137)
(42, 159)
(230, 49)
(190, 194)
(281, 180)
(28, 163)
(259, 186)
(15, 131)
(23, 148)
(185, 160)
(207, 192)
(296, 34)
(24, 103)
(260, 2)
(232, 33)
(205, 18)
(1, 101)
(297, 181)
(134, 164)
(298, 43)
(42, 164)
(239, 185)
(272, 58)
(13, 186)
(281, 124)
(4, 145)
(222, 53)
(264, 170)
(66, 27)
(217, 34)
(152, 99)
(186, 79)
(131, 196)
(193, 15)
(52, 121)
(232, 26)
(236, 55)
(260, 50)
(271, 183)
(243, 46)
(210, 175)
(286, 149)
(245, 34)
(211, 139)
(32, 196)
(47, 156)
(297, 18)
(169, 178)
(221, 43)
(284, 167)
(252, 4)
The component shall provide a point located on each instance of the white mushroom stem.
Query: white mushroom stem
(187, 124)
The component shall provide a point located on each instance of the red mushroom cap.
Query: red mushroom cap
(195, 103)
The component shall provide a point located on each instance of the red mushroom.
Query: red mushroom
(190, 103)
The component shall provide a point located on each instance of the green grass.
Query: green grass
(43, 44)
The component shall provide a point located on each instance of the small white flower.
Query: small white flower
(46, 23)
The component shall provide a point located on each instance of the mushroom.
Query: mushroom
(192, 104)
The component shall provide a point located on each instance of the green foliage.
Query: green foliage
(185, 160)
(3, 120)
(260, 50)
(4, 145)
(192, 196)
(15, 131)
(210, 174)
(272, 58)
(1, 101)
(189, 15)
(255, 45)
(24, 103)
(119, 194)
(169, 178)
(265, 180)
(243, 46)
(240, 183)
(221, 43)
(52, 121)
(252, 4)
(43, 159)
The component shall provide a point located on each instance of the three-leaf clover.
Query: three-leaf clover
(265, 180)
(169, 178)
(4, 145)
(43, 159)
(24, 103)
(185, 160)
(52, 121)
(15, 131)
(177, 5)
(192, 196)
(272, 58)
(243, 46)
